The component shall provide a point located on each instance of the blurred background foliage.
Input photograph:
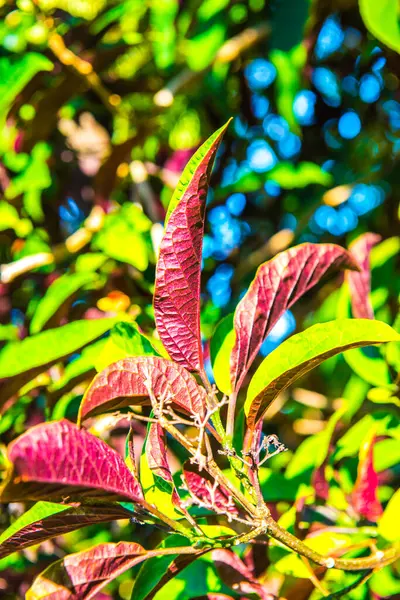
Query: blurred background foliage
(102, 103)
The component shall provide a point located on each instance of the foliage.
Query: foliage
(160, 438)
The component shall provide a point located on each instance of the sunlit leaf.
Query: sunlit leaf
(177, 291)
(290, 176)
(15, 73)
(221, 346)
(125, 340)
(288, 66)
(278, 284)
(382, 20)
(128, 381)
(83, 574)
(125, 236)
(46, 520)
(360, 282)
(44, 466)
(21, 361)
(389, 523)
(155, 473)
(157, 571)
(303, 352)
(364, 496)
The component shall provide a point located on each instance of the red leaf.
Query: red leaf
(127, 382)
(70, 519)
(360, 282)
(156, 453)
(80, 576)
(58, 461)
(236, 575)
(278, 284)
(205, 490)
(364, 497)
(177, 290)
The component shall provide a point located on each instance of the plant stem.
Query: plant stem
(230, 418)
(379, 559)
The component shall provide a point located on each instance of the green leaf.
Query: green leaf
(49, 346)
(290, 176)
(303, 352)
(15, 73)
(221, 346)
(385, 423)
(389, 524)
(59, 291)
(289, 65)
(154, 568)
(163, 34)
(156, 490)
(191, 167)
(382, 20)
(79, 366)
(126, 340)
(202, 49)
(40, 510)
(90, 261)
(125, 236)
(372, 369)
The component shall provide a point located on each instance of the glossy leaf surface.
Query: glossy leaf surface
(177, 291)
(360, 282)
(278, 284)
(58, 461)
(221, 346)
(155, 473)
(46, 520)
(305, 351)
(364, 497)
(127, 382)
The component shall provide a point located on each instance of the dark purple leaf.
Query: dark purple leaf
(364, 497)
(127, 382)
(59, 461)
(278, 284)
(236, 575)
(177, 291)
(360, 282)
(46, 520)
(80, 576)
(206, 492)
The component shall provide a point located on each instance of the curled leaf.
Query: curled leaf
(278, 284)
(360, 282)
(130, 381)
(364, 497)
(177, 290)
(155, 473)
(58, 461)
